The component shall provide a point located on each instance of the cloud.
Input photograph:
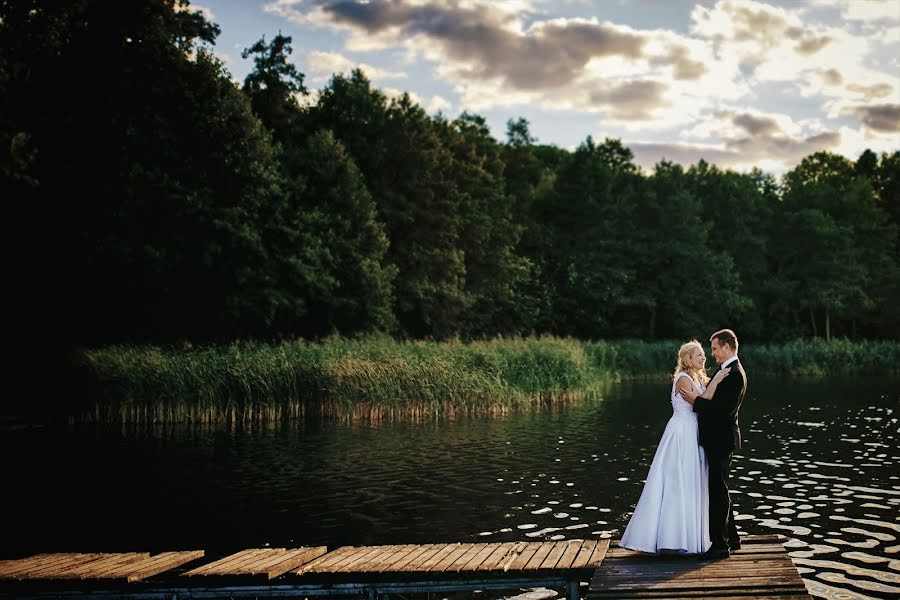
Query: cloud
(789, 47)
(486, 42)
(647, 154)
(865, 10)
(431, 105)
(756, 125)
(511, 53)
(883, 118)
(631, 100)
(194, 8)
(745, 138)
(871, 92)
(751, 28)
(811, 43)
(832, 77)
(493, 57)
(325, 64)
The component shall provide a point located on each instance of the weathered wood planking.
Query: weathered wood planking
(266, 563)
(126, 567)
(461, 558)
(760, 569)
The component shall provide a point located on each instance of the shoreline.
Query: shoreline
(381, 378)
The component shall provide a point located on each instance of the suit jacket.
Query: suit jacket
(718, 416)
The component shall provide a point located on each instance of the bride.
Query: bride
(672, 513)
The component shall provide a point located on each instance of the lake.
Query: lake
(821, 466)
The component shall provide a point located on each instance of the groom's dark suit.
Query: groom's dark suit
(720, 436)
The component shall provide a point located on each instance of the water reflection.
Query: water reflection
(819, 466)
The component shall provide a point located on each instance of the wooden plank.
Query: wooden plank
(705, 573)
(742, 594)
(661, 566)
(424, 562)
(409, 559)
(385, 562)
(624, 565)
(340, 556)
(95, 568)
(14, 567)
(461, 561)
(236, 566)
(288, 561)
(599, 553)
(553, 556)
(513, 555)
(214, 566)
(568, 557)
(483, 554)
(436, 557)
(325, 562)
(262, 557)
(539, 556)
(376, 555)
(358, 558)
(56, 562)
(16, 564)
(584, 554)
(40, 571)
(732, 583)
(154, 565)
(523, 557)
(449, 559)
(495, 560)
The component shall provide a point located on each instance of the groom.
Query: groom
(720, 436)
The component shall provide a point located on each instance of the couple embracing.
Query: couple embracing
(685, 506)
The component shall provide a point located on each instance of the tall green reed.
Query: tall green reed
(382, 378)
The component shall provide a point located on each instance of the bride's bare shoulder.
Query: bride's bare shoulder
(684, 384)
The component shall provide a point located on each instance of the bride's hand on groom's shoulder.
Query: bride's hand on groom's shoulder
(720, 375)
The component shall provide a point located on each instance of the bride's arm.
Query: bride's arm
(685, 387)
(690, 394)
(717, 378)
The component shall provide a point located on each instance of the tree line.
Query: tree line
(153, 199)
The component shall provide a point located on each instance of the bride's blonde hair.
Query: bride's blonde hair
(684, 362)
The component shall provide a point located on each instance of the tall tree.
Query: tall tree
(682, 283)
(740, 209)
(584, 219)
(150, 230)
(406, 166)
(327, 243)
(488, 232)
(273, 86)
(829, 183)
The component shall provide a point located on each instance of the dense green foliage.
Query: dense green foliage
(156, 201)
(383, 377)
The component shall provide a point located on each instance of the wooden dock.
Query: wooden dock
(762, 569)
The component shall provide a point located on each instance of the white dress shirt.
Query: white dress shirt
(729, 361)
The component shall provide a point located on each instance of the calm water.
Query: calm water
(821, 465)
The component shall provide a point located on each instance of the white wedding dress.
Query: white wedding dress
(672, 513)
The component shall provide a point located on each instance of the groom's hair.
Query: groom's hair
(725, 336)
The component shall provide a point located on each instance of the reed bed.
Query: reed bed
(382, 378)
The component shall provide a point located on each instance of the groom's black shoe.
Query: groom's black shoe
(714, 554)
(734, 545)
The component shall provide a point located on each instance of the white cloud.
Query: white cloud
(873, 10)
(701, 85)
(431, 105)
(326, 64)
(206, 12)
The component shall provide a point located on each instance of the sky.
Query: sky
(739, 83)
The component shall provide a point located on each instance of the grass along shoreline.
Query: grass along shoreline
(381, 378)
